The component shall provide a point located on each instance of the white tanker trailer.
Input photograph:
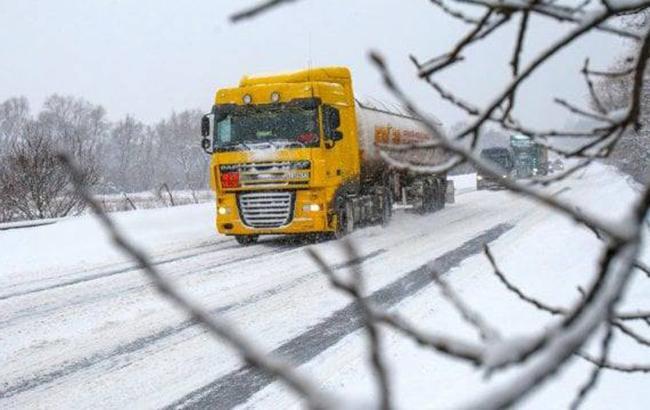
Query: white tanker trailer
(381, 127)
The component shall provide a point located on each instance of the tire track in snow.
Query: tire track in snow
(69, 368)
(32, 312)
(110, 273)
(287, 245)
(240, 385)
(283, 244)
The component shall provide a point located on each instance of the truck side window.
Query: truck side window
(224, 130)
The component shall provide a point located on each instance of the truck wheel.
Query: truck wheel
(246, 240)
(345, 217)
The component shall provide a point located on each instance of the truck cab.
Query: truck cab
(282, 148)
(530, 158)
(501, 159)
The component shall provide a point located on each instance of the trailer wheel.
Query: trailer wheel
(438, 197)
(419, 189)
(246, 240)
(429, 196)
(387, 208)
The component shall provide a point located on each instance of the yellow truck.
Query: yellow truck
(296, 153)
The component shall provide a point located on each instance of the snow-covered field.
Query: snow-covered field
(81, 327)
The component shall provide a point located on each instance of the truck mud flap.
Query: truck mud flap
(450, 193)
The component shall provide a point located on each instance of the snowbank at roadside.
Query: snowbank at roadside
(80, 242)
(464, 183)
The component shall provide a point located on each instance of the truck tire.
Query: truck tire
(387, 208)
(345, 218)
(439, 196)
(246, 240)
(419, 191)
(429, 196)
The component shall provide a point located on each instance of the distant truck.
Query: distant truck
(530, 158)
(296, 153)
(501, 159)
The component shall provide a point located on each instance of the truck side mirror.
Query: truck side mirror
(332, 121)
(206, 144)
(205, 125)
(334, 118)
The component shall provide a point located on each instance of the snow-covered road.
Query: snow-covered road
(80, 326)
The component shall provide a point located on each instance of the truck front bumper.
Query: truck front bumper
(489, 183)
(304, 218)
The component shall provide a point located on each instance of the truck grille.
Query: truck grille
(266, 209)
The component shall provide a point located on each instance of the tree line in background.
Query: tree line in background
(631, 154)
(114, 157)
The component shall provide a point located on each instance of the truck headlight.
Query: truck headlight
(311, 207)
(479, 177)
(222, 210)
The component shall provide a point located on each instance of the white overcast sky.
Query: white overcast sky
(149, 57)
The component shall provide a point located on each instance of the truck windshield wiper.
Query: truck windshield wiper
(287, 143)
(271, 143)
(235, 145)
(298, 143)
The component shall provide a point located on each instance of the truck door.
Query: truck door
(342, 149)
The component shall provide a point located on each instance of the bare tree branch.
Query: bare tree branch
(590, 85)
(562, 14)
(254, 11)
(454, 13)
(625, 368)
(487, 332)
(593, 377)
(539, 305)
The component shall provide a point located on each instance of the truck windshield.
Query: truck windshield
(498, 157)
(247, 128)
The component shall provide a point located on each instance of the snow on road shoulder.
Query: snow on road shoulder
(80, 243)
